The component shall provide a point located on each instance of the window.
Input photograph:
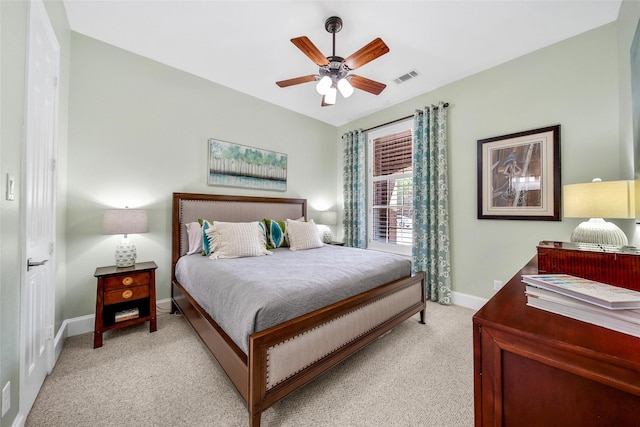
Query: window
(390, 188)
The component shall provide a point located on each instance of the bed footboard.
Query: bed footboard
(283, 358)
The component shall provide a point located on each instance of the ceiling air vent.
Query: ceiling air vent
(403, 78)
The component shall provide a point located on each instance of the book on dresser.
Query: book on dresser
(586, 290)
(626, 321)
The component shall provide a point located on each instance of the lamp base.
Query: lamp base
(125, 253)
(599, 231)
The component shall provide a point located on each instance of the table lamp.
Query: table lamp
(125, 221)
(327, 219)
(598, 200)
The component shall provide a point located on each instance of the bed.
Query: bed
(277, 357)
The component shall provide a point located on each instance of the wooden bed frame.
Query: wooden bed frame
(276, 364)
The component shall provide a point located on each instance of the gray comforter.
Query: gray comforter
(247, 295)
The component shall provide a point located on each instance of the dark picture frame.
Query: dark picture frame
(519, 175)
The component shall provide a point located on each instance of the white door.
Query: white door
(38, 204)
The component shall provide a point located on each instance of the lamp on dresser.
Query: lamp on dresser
(598, 200)
(125, 221)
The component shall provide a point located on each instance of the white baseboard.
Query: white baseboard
(468, 301)
(84, 324)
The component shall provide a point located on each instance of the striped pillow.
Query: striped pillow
(236, 240)
(303, 235)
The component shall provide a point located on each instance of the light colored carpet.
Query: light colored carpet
(415, 375)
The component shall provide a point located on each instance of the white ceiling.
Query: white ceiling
(245, 45)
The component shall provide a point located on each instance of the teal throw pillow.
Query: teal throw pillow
(276, 233)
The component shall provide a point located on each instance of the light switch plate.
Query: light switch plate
(6, 397)
(11, 183)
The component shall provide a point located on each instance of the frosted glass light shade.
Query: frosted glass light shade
(345, 88)
(330, 96)
(323, 85)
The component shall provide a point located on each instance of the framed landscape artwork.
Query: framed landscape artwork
(235, 165)
(519, 175)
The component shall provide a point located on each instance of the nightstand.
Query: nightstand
(125, 296)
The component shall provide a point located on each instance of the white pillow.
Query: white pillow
(303, 235)
(194, 233)
(325, 233)
(236, 239)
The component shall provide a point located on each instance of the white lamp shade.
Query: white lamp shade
(328, 217)
(604, 199)
(598, 200)
(125, 221)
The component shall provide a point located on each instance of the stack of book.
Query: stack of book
(123, 315)
(593, 302)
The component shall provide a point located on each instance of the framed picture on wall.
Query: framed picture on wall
(235, 165)
(519, 175)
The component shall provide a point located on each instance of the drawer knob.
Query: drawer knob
(127, 294)
(127, 281)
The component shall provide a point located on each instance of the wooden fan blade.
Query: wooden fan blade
(366, 84)
(297, 80)
(309, 49)
(367, 54)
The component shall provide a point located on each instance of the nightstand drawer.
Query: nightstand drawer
(128, 294)
(126, 280)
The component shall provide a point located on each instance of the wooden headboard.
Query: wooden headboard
(189, 207)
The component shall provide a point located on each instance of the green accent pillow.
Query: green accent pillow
(206, 248)
(276, 233)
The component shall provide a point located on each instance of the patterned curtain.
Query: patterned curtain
(431, 202)
(355, 189)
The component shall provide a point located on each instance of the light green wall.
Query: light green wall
(573, 83)
(13, 34)
(138, 131)
(627, 24)
(13, 27)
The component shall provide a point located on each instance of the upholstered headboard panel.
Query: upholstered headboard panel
(189, 207)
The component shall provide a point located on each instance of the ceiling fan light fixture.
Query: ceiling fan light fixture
(324, 85)
(345, 87)
(330, 96)
(333, 74)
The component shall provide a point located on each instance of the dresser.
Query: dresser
(535, 368)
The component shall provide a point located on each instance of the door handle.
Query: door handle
(35, 263)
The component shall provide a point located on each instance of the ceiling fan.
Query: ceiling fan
(333, 75)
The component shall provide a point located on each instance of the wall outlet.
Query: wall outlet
(497, 284)
(6, 398)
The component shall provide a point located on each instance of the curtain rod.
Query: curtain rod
(445, 105)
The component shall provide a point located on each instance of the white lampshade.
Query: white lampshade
(345, 88)
(598, 200)
(125, 221)
(323, 85)
(328, 217)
